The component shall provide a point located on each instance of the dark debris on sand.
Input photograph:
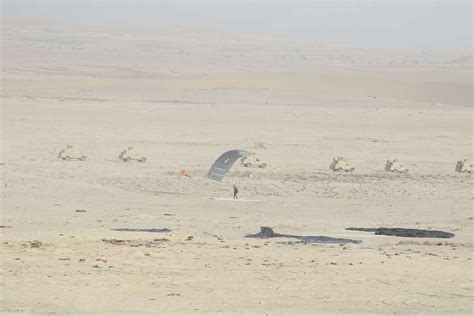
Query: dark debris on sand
(143, 230)
(267, 232)
(405, 232)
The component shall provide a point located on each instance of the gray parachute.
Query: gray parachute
(222, 165)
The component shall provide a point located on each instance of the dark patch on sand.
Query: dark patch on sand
(143, 230)
(405, 232)
(267, 232)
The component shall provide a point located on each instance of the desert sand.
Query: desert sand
(183, 96)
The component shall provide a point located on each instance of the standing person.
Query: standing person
(236, 192)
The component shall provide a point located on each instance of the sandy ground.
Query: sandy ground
(182, 97)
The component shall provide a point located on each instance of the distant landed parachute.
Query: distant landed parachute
(222, 165)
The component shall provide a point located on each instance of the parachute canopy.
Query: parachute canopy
(222, 165)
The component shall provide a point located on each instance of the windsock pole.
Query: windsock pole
(179, 181)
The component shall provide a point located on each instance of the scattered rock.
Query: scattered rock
(36, 244)
(114, 241)
(189, 238)
(81, 211)
(218, 237)
(136, 243)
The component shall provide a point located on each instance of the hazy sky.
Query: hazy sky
(361, 23)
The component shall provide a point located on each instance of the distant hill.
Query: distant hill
(466, 61)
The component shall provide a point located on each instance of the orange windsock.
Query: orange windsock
(184, 173)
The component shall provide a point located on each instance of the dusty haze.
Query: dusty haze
(357, 23)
